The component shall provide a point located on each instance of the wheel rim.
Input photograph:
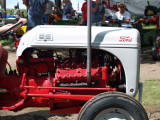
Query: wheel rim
(113, 114)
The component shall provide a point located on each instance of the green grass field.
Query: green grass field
(11, 11)
(6, 42)
(149, 26)
(151, 93)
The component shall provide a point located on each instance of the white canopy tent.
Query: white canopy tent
(136, 7)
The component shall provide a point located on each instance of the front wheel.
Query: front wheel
(112, 106)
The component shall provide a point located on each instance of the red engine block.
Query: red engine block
(69, 70)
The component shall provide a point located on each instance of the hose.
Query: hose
(9, 66)
(49, 76)
(7, 63)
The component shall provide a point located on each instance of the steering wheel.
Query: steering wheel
(7, 32)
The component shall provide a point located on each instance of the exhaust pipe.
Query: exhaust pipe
(89, 6)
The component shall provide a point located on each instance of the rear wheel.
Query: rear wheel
(155, 53)
(112, 106)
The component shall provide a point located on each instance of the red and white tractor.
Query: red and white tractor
(52, 72)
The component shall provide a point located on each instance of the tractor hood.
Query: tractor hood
(76, 37)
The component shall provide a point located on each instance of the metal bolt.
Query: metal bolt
(132, 90)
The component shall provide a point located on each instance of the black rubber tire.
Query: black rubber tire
(155, 53)
(112, 100)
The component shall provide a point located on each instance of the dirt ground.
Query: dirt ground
(148, 70)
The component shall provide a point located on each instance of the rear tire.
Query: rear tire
(155, 53)
(112, 105)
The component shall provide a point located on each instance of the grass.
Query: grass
(6, 42)
(151, 93)
(11, 11)
(152, 26)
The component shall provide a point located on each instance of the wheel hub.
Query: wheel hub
(113, 114)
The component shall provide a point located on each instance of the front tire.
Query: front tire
(112, 106)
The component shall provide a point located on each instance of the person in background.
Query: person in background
(108, 12)
(3, 12)
(52, 19)
(122, 15)
(8, 15)
(48, 11)
(98, 11)
(5, 27)
(26, 3)
(67, 10)
(84, 13)
(36, 10)
(16, 11)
